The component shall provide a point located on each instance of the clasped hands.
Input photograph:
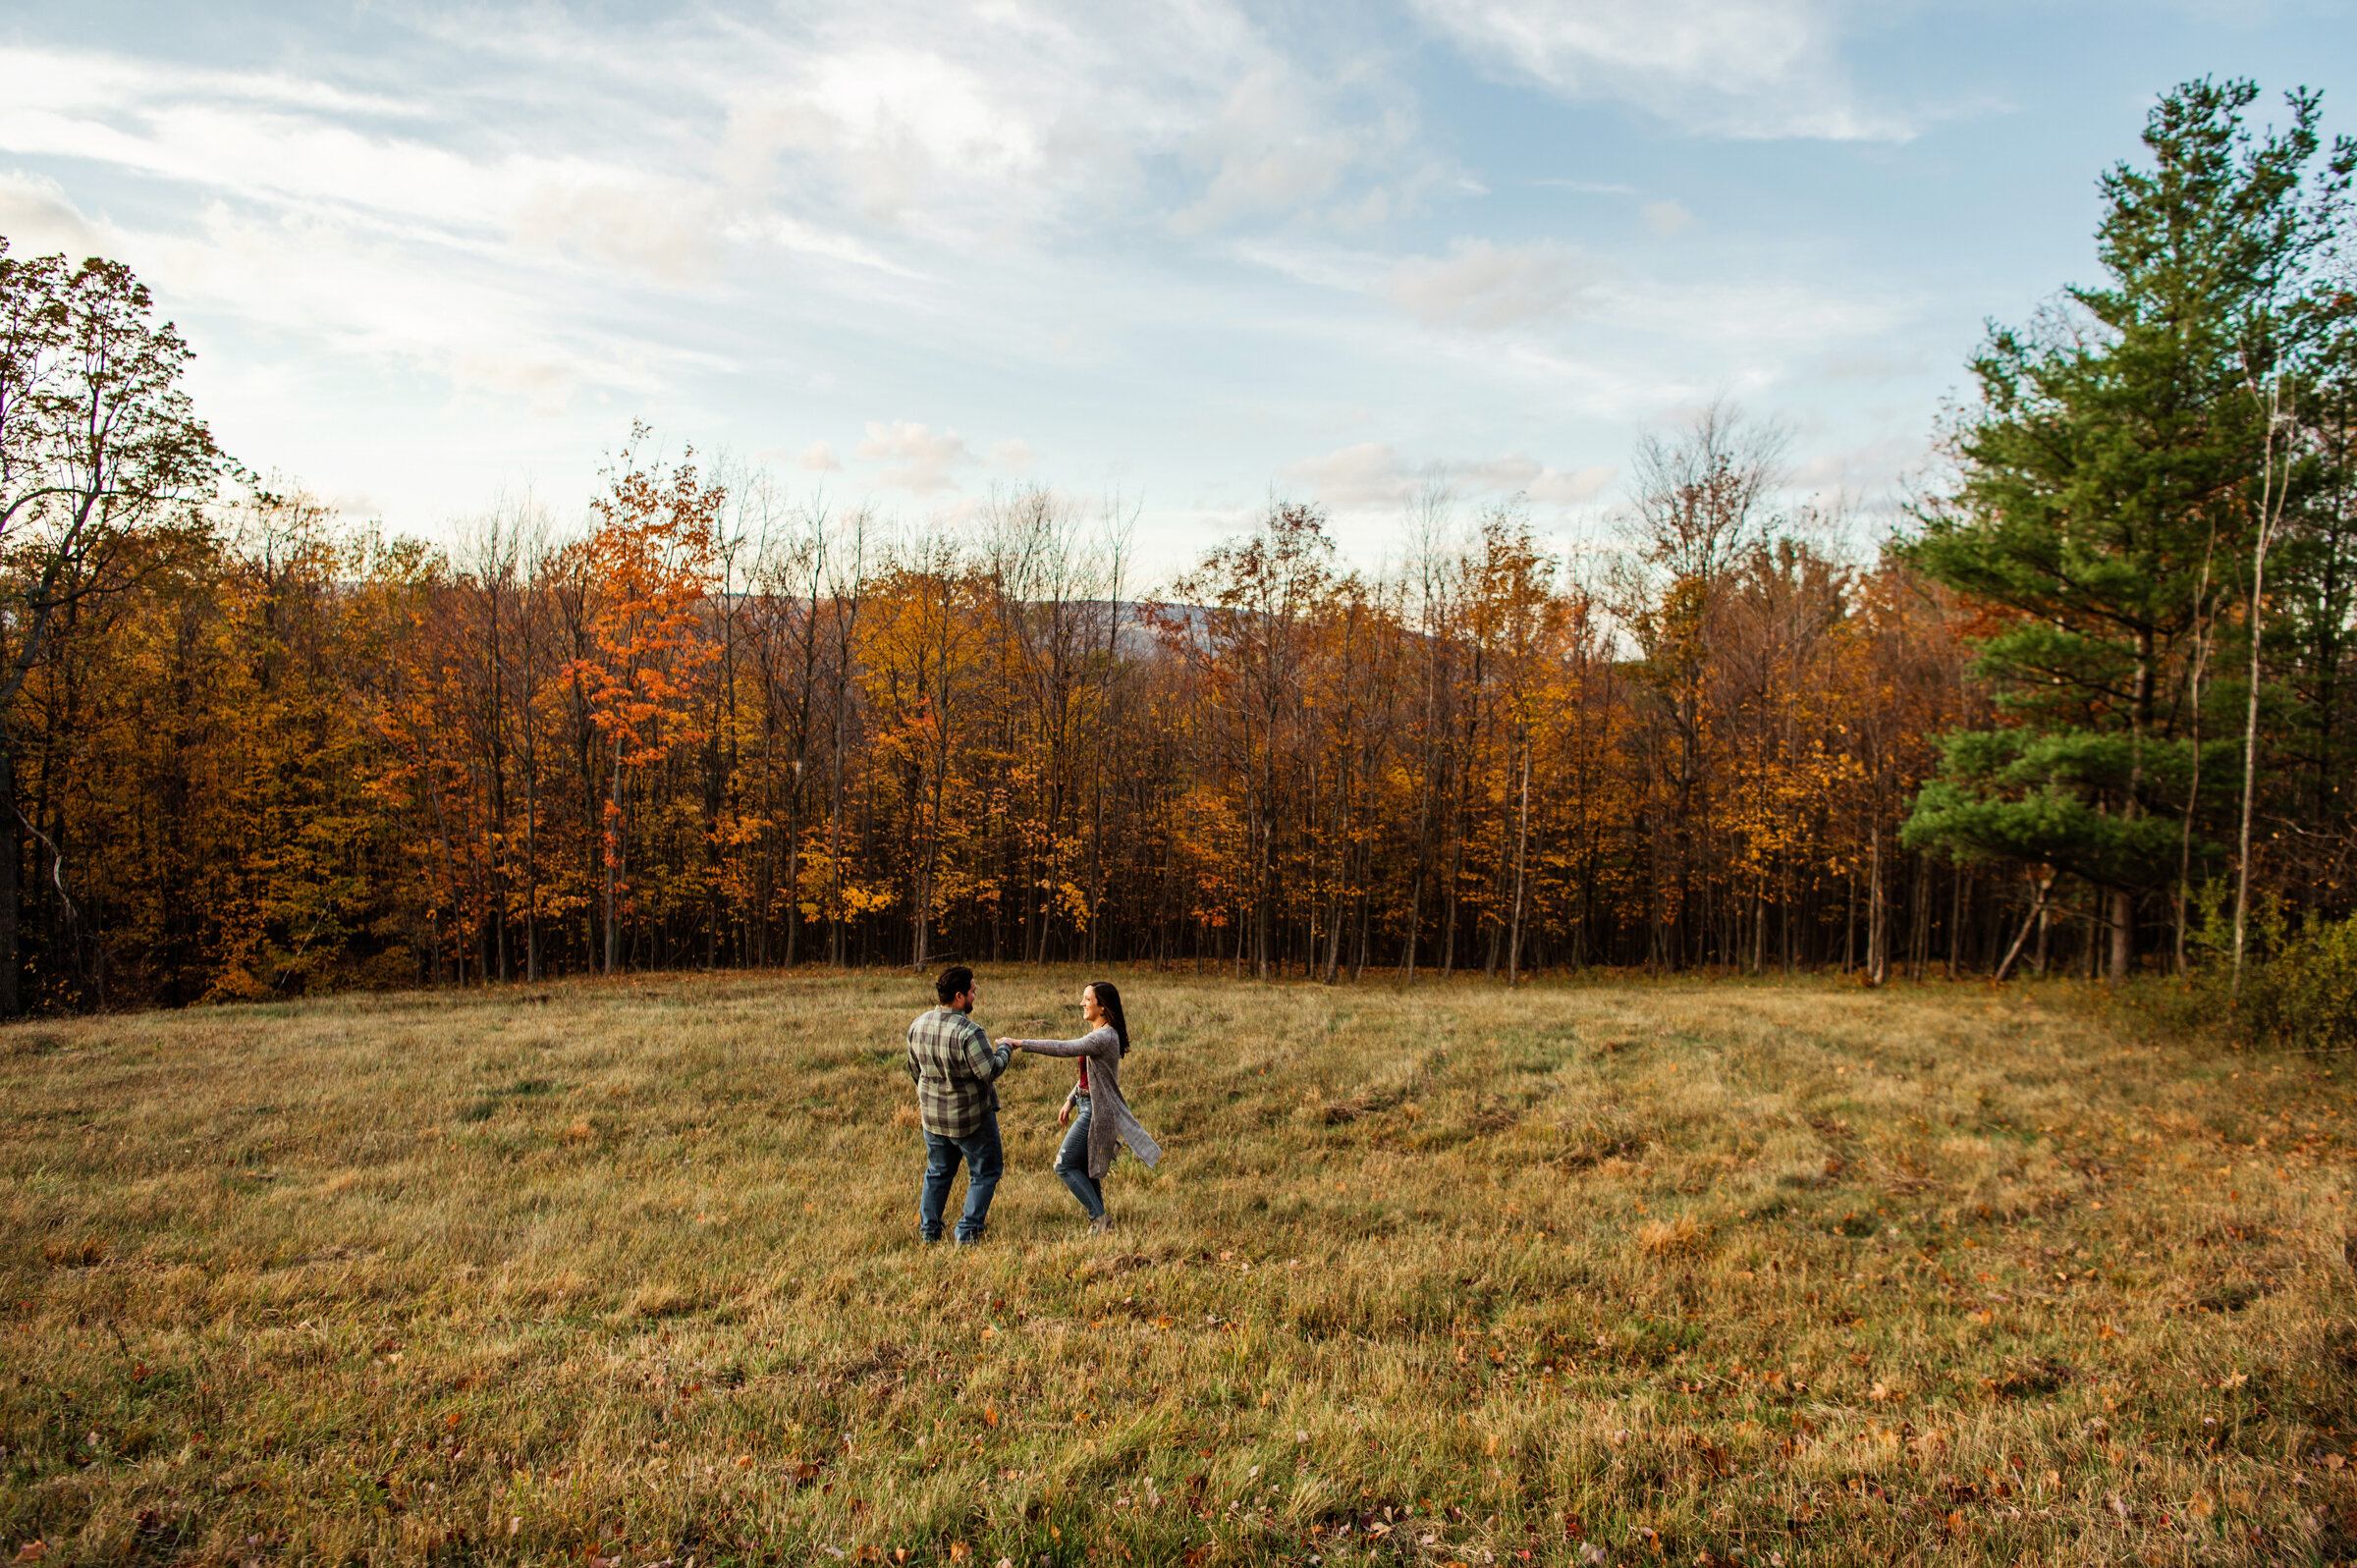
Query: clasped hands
(1014, 1048)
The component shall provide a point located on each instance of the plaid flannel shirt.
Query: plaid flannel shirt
(952, 1063)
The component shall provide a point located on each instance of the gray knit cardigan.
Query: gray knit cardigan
(1109, 1117)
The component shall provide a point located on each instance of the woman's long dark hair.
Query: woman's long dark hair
(1109, 1002)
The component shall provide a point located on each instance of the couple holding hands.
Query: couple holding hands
(955, 1069)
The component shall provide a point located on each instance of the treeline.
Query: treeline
(254, 752)
(714, 730)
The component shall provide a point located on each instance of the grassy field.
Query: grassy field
(625, 1274)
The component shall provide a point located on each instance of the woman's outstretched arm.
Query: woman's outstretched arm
(1092, 1044)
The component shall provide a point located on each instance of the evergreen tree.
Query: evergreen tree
(2111, 483)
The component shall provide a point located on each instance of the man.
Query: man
(955, 1069)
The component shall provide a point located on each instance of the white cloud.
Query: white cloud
(880, 150)
(466, 223)
(39, 220)
(665, 229)
(1274, 150)
(1740, 67)
(1372, 474)
(1666, 218)
(232, 145)
(1515, 472)
(1485, 287)
(1587, 188)
(1868, 467)
(491, 262)
(1319, 267)
(1000, 125)
(1746, 315)
(1873, 365)
(58, 78)
(1368, 473)
(897, 127)
(913, 457)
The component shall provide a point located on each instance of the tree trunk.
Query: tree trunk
(793, 867)
(2034, 919)
(2269, 502)
(1415, 895)
(612, 862)
(1457, 847)
(1849, 923)
(12, 997)
(1956, 922)
(2123, 935)
(1877, 933)
(1513, 960)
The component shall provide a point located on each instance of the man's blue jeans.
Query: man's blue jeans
(985, 1162)
(1072, 1162)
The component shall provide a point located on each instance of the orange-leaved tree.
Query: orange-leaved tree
(650, 560)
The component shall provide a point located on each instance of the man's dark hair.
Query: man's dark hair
(955, 982)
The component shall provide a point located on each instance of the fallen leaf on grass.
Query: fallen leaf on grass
(990, 1415)
(32, 1551)
(959, 1551)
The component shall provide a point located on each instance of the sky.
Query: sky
(1174, 260)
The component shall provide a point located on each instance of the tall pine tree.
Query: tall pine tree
(2110, 489)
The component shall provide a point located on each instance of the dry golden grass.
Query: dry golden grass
(1685, 1272)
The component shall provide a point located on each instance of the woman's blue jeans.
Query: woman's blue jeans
(1072, 1162)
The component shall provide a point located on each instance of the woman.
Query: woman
(1102, 1114)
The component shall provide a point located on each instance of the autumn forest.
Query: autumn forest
(2083, 706)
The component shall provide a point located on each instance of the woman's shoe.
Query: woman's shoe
(1101, 1224)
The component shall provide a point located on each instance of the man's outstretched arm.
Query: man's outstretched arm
(986, 1061)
